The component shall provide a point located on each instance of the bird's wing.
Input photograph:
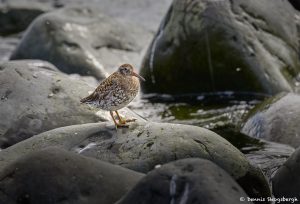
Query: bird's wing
(106, 85)
(104, 89)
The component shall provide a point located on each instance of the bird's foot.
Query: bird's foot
(122, 125)
(124, 121)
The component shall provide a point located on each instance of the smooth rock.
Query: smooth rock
(296, 4)
(82, 40)
(16, 15)
(7, 46)
(286, 182)
(242, 46)
(186, 181)
(276, 119)
(269, 157)
(144, 145)
(54, 175)
(145, 13)
(35, 97)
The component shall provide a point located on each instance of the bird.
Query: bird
(116, 92)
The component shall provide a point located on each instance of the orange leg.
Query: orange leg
(117, 124)
(123, 121)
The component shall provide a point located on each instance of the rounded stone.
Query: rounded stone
(242, 46)
(145, 145)
(276, 119)
(286, 182)
(36, 97)
(81, 40)
(54, 175)
(186, 181)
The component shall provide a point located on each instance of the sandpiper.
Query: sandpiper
(115, 92)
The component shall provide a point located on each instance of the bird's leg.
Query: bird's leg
(117, 124)
(112, 116)
(123, 121)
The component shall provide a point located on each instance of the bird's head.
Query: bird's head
(127, 70)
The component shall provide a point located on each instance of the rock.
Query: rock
(296, 4)
(286, 182)
(143, 146)
(7, 46)
(145, 13)
(242, 46)
(16, 15)
(269, 157)
(83, 41)
(35, 97)
(277, 119)
(57, 176)
(186, 181)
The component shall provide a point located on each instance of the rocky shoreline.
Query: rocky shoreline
(55, 150)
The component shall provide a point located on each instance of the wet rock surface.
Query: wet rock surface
(35, 97)
(81, 40)
(186, 181)
(286, 182)
(205, 46)
(270, 157)
(145, 145)
(54, 175)
(277, 119)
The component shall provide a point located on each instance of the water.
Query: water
(222, 113)
(212, 111)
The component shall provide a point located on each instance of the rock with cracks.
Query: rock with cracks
(145, 145)
(35, 97)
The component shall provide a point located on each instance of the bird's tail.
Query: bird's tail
(89, 99)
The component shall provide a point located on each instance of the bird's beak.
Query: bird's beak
(138, 76)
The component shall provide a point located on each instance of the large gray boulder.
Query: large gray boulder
(7, 46)
(296, 4)
(57, 176)
(286, 182)
(276, 119)
(204, 46)
(187, 181)
(16, 15)
(35, 97)
(145, 145)
(82, 40)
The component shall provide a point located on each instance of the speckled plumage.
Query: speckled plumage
(116, 91)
